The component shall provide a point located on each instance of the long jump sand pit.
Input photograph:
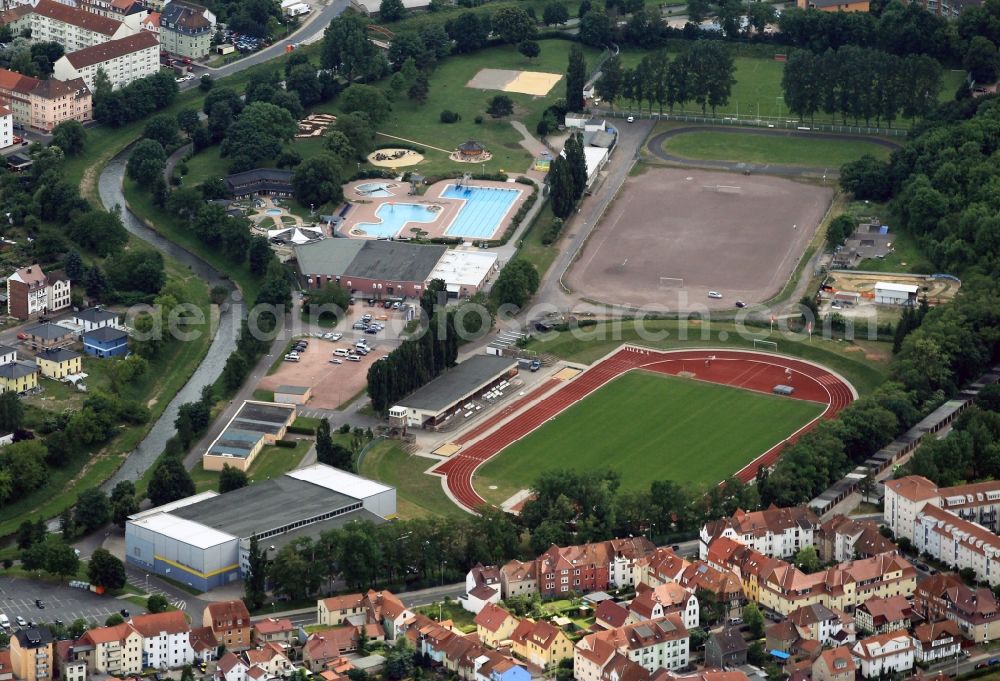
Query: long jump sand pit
(736, 234)
(536, 83)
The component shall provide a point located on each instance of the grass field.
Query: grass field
(679, 430)
(417, 495)
(270, 463)
(751, 148)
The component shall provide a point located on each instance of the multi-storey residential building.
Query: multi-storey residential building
(575, 569)
(882, 615)
(667, 599)
(974, 610)
(726, 649)
(782, 588)
(958, 542)
(186, 29)
(817, 622)
(659, 567)
(936, 641)
(166, 640)
(655, 644)
(724, 585)
(494, 624)
(775, 532)
(44, 104)
(540, 643)
(116, 651)
(375, 607)
(841, 538)
(30, 292)
(32, 654)
(74, 28)
(884, 654)
(122, 61)
(230, 622)
(6, 127)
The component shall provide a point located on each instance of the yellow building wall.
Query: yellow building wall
(60, 370)
(19, 385)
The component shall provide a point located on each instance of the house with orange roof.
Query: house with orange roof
(116, 651)
(881, 615)
(494, 624)
(884, 654)
(151, 23)
(374, 607)
(328, 644)
(724, 585)
(204, 644)
(659, 567)
(936, 641)
(652, 603)
(540, 643)
(270, 657)
(904, 497)
(482, 585)
(166, 642)
(952, 539)
(836, 664)
(974, 610)
(621, 668)
(272, 630)
(775, 532)
(231, 667)
(707, 675)
(230, 622)
(610, 615)
(653, 644)
(333, 611)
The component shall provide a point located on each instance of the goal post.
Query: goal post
(671, 282)
(770, 346)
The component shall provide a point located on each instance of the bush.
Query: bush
(399, 144)
(300, 430)
(286, 444)
(479, 120)
(449, 116)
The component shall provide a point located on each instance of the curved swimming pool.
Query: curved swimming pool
(377, 189)
(273, 211)
(394, 216)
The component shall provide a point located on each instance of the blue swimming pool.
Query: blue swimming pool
(374, 189)
(482, 211)
(394, 216)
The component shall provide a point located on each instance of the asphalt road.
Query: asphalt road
(17, 598)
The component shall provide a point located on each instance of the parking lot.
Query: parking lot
(17, 599)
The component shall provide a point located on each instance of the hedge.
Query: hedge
(301, 430)
(286, 444)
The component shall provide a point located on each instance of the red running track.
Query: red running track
(749, 370)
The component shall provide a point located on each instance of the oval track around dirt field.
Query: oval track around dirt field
(745, 369)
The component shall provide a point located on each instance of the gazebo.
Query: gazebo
(471, 150)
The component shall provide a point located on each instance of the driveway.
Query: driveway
(17, 598)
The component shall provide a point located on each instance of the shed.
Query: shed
(471, 149)
(292, 394)
(891, 293)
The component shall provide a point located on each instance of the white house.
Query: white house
(231, 667)
(934, 641)
(775, 532)
(6, 127)
(94, 318)
(122, 61)
(166, 640)
(482, 586)
(884, 654)
(652, 603)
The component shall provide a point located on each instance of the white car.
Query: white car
(336, 361)
(714, 294)
(336, 336)
(631, 119)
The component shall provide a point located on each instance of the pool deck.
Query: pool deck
(363, 208)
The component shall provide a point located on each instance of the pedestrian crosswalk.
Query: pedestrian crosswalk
(148, 588)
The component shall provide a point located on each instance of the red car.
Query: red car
(21, 335)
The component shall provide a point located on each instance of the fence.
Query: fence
(733, 121)
(364, 450)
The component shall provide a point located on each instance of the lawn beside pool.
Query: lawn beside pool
(650, 427)
(748, 147)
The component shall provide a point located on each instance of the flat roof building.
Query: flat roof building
(203, 540)
(446, 395)
(255, 425)
(465, 272)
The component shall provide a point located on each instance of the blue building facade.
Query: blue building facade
(105, 342)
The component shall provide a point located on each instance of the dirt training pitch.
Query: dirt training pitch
(537, 83)
(740, 235)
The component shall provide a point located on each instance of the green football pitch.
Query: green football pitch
(650, 427)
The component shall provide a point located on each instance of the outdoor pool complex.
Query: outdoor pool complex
(394, 216)
(482, 212)
(376, 189)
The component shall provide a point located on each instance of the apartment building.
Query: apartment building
(44, 104)
(74, 28)
(655, 602)
(166, 639)
(654, 644)
(974, 610)
(775, 532)
(116, 651)
(31, 292)
(123, 60)
(882, 615)
(32, 654)
(841, 538)
(230, 622)
(186, 29)
(884, 654)
(6, 127)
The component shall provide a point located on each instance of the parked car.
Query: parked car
(740, 303)
(353, 358)
(714, 294)
(336, 361)
(372, 330)
(395, 306)
(40, 604)
(20, 621)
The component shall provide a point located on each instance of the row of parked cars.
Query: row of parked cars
(368, 325)
(296, 351)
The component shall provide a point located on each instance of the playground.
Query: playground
(674, 235)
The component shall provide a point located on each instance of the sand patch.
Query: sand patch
(394, 158)
(537, 83)
(447, 449)
(566, 374)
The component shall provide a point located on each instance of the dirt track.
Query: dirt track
(673, 223)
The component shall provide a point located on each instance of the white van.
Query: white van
(4, 622)
(340, 352)
(361, 344)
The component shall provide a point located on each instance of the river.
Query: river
(144, 455)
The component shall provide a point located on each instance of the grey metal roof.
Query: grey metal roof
(264, 506)
(458, 383)
(15, 370)
(58, 355)
(395, 261)
(48, 331)
(249, 426)
(292, 389)
(314, 530)
(328, 257)
(93, 315)
(105, 333)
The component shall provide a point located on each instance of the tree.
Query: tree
(561, 188)
(328, 303)
(147, 162)
(92, 510)
(697, 10)
(866, 178)
(469, 31)
(368, 100)
(114, 620)
(500, 106)
(231, 479)
(576, 78)
(123, 502)
(163, 128)
(512, 24)
(257, 134)
(330, 452)
(170, 482)
(157, 603)
(61, 559)
(981, 60)
(69, 136)
(554, 13)
(66, 526)
(357, 128)
(100, 232)
(347, 50)
(595, 28)
(11, 412)
(806, 559)
(317, 181)
(399, 661)
(529, 48)
(391, 10)
(609, 86)
(840, 228)
(577, 162)
(754, 619)
(419, 89)
(255, 583)
(516, 283)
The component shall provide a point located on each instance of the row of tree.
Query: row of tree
(702, 75)
(972, 449)
(861, 84)
(133, 102)
(567, 178)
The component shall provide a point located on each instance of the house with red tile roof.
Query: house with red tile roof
(653, 644)
(272, 630)
(116, 651)
(540, 643)
(230, 622)
(374, 607)
(329, 644)
(74, 28)
(775, 532)
(836, 664)
(936, 641)
(482, 585)
(659, 567)
(494, 624)
(203, 643)
(611, 615)
(123, 60)
(974, 610)
(880, 615)
(652, 603)
(166, 639)
(884, 654)
(841, 538)
(69, 667)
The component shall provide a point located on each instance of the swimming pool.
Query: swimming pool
(376, 189)
(482, 211)
(394, 217)
(273, 211)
